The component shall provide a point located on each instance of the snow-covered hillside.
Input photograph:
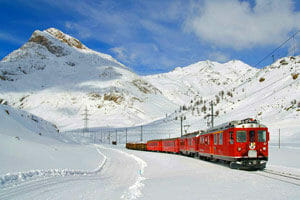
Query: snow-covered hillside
(29, 143)
(56, 77)
(271, 94)
(201, 79)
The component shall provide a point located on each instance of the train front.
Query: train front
(251, 146)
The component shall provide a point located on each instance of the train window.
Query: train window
(241, 136)
(231, 138)
(215, 139)
(252, 136)
(205, 140)
(221, 138)
(261, 136)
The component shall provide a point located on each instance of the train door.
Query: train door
(230, 143)
(211, 143)
(252, 145)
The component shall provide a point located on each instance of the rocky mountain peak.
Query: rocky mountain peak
(71, 41)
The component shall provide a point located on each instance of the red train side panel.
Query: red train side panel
(171, 145)
(154, 145)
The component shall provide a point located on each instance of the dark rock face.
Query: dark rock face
(56, 50)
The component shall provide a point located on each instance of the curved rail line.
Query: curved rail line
(281, 176)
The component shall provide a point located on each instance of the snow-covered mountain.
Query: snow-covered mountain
(56, 77)
(271, 94)
(202, 79)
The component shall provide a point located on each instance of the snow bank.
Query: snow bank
(24, 176)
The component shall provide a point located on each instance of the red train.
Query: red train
(243, 144)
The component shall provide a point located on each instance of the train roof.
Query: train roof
(245, 123)
(191, 134)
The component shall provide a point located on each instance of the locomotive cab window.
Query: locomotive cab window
(251, 136)
(221, 138)
(241, 136)
(231, 138)
(261, 136)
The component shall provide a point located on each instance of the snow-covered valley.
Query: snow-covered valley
(47, 83)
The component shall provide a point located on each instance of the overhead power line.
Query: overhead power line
(277, 48)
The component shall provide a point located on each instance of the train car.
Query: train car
(154, 145)
(243, 143)
(189, 144)
(170, 145)
(137, 146)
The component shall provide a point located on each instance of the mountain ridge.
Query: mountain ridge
(59, 85)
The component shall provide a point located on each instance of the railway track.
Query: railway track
(280, 176)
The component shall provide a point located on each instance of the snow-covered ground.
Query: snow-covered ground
(128, 174)
(37, 162)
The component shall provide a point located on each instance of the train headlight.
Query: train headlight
(239, 148)
(264, 148)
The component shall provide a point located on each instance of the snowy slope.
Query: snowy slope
(201, 79)
(271, 94)
(55, 77)
(31, 143)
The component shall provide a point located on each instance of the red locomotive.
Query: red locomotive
(243, 144)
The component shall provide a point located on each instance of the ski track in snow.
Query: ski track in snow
(13, 179)
(134, 191)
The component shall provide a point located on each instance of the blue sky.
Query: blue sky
(154, 36)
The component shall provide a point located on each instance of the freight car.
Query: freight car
(137, 146)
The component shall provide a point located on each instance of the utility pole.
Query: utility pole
(141, 133)
(181, 125)
(279, 139)
(126, 134)
(116, 135)
(294, 45)
(85, 119)
(109, 137)
(212, 114)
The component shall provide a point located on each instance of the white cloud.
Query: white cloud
(237, 25)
